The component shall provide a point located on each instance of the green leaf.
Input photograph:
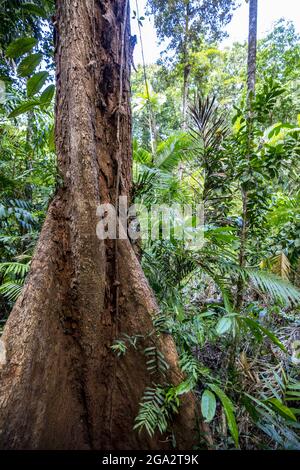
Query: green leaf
(34, 9)
(229, 412)
(223, 325)
(11, 290)
(185, 387)
(294, 386)
(29, 64)
(208, 405)
(226, 298)
(20, 46)
(36, 82)
(260, 404)
(51, 139)
(254, 325)
(273, 338)
(17, 269)
(47, 95)
(275, 286)
(284, 410)
(23, 108)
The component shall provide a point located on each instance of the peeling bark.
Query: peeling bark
(62, 387)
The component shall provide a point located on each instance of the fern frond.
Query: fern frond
(192, 367)
(156, 362)
(153, 414)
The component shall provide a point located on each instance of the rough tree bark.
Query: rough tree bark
(62, 387)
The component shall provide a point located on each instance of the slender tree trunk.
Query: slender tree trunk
(186, 68)
(251, 81)
(252, 46)
(186, 83)
(61, 386)
(29, 157)
(28, 166)
(151, 117)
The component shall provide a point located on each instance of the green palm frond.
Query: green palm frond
(15, 269)
(275, 286)
(11, 289)
(154, 178)
(222, 269)
(172, 151)
(209, 125)
(279, 265)
(141, 155)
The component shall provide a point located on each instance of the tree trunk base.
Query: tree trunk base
(62, 387)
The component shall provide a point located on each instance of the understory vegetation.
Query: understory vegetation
(233, 305)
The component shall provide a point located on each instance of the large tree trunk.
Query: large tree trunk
(62, 387)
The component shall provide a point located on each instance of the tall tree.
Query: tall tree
(185, 23)
(252, 47)
(251, 80)
(61, 386)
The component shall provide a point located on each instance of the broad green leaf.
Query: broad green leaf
(23, 108)
(184, 387)
(20, 46)
(51, 140)
(208, 406)
(226, 298)
(209, 313)
(34, 9)
(229, 412)
(224, 325)
(29, 64)
(47, 95)
(36, 82)
(283, 409)
(252, 327)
